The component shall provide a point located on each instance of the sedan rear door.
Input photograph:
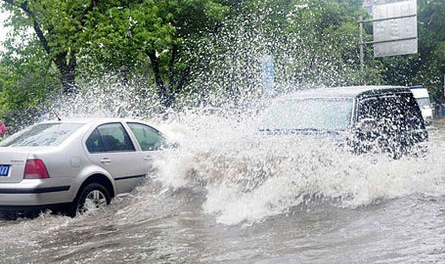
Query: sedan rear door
(110, 147)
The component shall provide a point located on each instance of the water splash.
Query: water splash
(248, 178)
(245, 177)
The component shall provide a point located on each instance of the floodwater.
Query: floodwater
(224, 197)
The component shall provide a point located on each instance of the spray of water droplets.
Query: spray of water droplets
(244, 176)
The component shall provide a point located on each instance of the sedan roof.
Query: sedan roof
(345, 92)
(93, 120)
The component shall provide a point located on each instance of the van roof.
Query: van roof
(346, 92)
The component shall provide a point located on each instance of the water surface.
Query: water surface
(226, 197)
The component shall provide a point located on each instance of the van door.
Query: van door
(396, 119)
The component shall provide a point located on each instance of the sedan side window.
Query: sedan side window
(148, 137)
(109, 138)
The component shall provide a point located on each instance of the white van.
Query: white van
(423, 99)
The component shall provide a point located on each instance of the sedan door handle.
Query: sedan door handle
(105, 161)
(148, 158)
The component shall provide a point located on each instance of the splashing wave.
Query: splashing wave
(249, 177)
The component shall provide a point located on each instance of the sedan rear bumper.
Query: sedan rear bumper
(35, 193)
(34, 190)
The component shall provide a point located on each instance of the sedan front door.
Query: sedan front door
(150, 140)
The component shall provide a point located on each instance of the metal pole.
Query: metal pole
(444, 84)
(362, 56)
(388, 18)
(387, 41)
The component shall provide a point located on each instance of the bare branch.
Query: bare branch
(171, 67)
(36, 26)
(183, 80)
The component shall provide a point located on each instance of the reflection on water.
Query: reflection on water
(228, 196)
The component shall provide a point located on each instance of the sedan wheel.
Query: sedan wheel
(91, 198)
(95, 200)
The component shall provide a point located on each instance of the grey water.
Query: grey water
(223, 197)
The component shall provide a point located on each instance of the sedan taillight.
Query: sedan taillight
(35, 169)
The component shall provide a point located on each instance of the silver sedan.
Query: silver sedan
(74, 165)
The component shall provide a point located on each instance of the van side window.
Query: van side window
(398, 111)
(109, 138)
(148, 137)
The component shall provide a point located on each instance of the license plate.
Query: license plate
(4, 170)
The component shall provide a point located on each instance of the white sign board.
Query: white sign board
(396, 36)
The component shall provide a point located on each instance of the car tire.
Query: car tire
(94, 195)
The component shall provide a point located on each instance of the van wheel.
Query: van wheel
(92, 197)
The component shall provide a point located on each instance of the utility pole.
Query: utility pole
(361, 43)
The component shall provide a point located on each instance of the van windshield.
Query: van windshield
(41, 135)
(308, 114)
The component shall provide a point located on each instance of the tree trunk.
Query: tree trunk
(168, 92)
(68, 82)
(162, 92)
(67, 73)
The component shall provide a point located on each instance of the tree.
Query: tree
(92, 37)
(57, 25)
(313, 43)
(329, 33)
(153, 32)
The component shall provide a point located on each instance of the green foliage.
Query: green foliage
(27, 79)
(312, 43)
(194, 47)
(119, 35)
(86, 38)
(329, 32)
(154, 33)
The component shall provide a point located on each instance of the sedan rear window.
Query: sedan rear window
(41, 135)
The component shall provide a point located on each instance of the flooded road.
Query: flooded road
(223, 197)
